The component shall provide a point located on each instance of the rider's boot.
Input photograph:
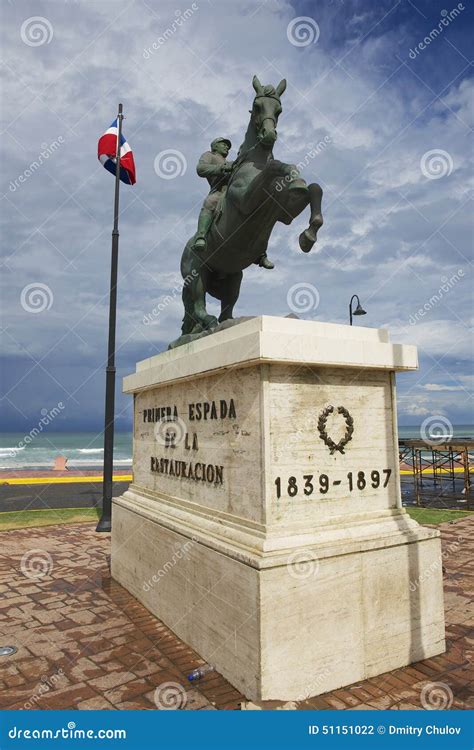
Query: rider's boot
(204, 224)
(265, 262)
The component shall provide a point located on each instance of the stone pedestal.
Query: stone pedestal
(264, 524)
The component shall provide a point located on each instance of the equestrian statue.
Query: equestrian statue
(247, 197)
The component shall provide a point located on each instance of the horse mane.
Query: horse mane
(250, 143)
(250, 139)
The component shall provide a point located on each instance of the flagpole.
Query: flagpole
(105, 523)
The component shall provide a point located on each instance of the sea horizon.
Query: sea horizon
(84, 449)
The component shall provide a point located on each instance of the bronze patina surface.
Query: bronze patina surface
(247, 197)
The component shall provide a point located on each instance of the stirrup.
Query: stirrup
(199, 243)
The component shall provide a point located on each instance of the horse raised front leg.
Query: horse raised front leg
(309, 236)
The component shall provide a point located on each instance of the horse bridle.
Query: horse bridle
(238, 162)
(273, 119)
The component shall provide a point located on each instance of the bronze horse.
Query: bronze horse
(261, 191)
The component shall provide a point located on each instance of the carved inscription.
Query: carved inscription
(170, 425)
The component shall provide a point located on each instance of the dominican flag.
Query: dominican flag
(107, 150)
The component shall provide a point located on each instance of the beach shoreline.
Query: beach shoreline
(34, 475)
(126, 474)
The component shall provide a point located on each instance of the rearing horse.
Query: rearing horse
(261, 191)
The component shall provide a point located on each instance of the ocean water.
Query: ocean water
(85, 450)
(438, 428)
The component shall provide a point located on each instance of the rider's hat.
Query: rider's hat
(220, 140)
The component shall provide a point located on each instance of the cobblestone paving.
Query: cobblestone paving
(85, 643)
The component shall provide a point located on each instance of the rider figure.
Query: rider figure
(216, 169)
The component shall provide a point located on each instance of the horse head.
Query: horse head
(266, 110)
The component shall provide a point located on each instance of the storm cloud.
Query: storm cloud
(382, 123)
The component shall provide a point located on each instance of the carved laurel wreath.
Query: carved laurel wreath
(322, 420)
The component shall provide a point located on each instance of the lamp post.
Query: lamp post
(359, 309)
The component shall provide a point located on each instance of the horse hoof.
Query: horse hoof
(307, 240)
(209, 322)
(310, 235)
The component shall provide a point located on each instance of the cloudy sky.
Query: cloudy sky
(396, 168)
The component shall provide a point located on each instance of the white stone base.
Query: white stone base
(288, 632)
(264, 524)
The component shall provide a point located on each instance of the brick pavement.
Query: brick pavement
(85, 643)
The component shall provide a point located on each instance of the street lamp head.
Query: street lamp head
(359, 310)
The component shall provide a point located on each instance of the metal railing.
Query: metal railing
(437, 468)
